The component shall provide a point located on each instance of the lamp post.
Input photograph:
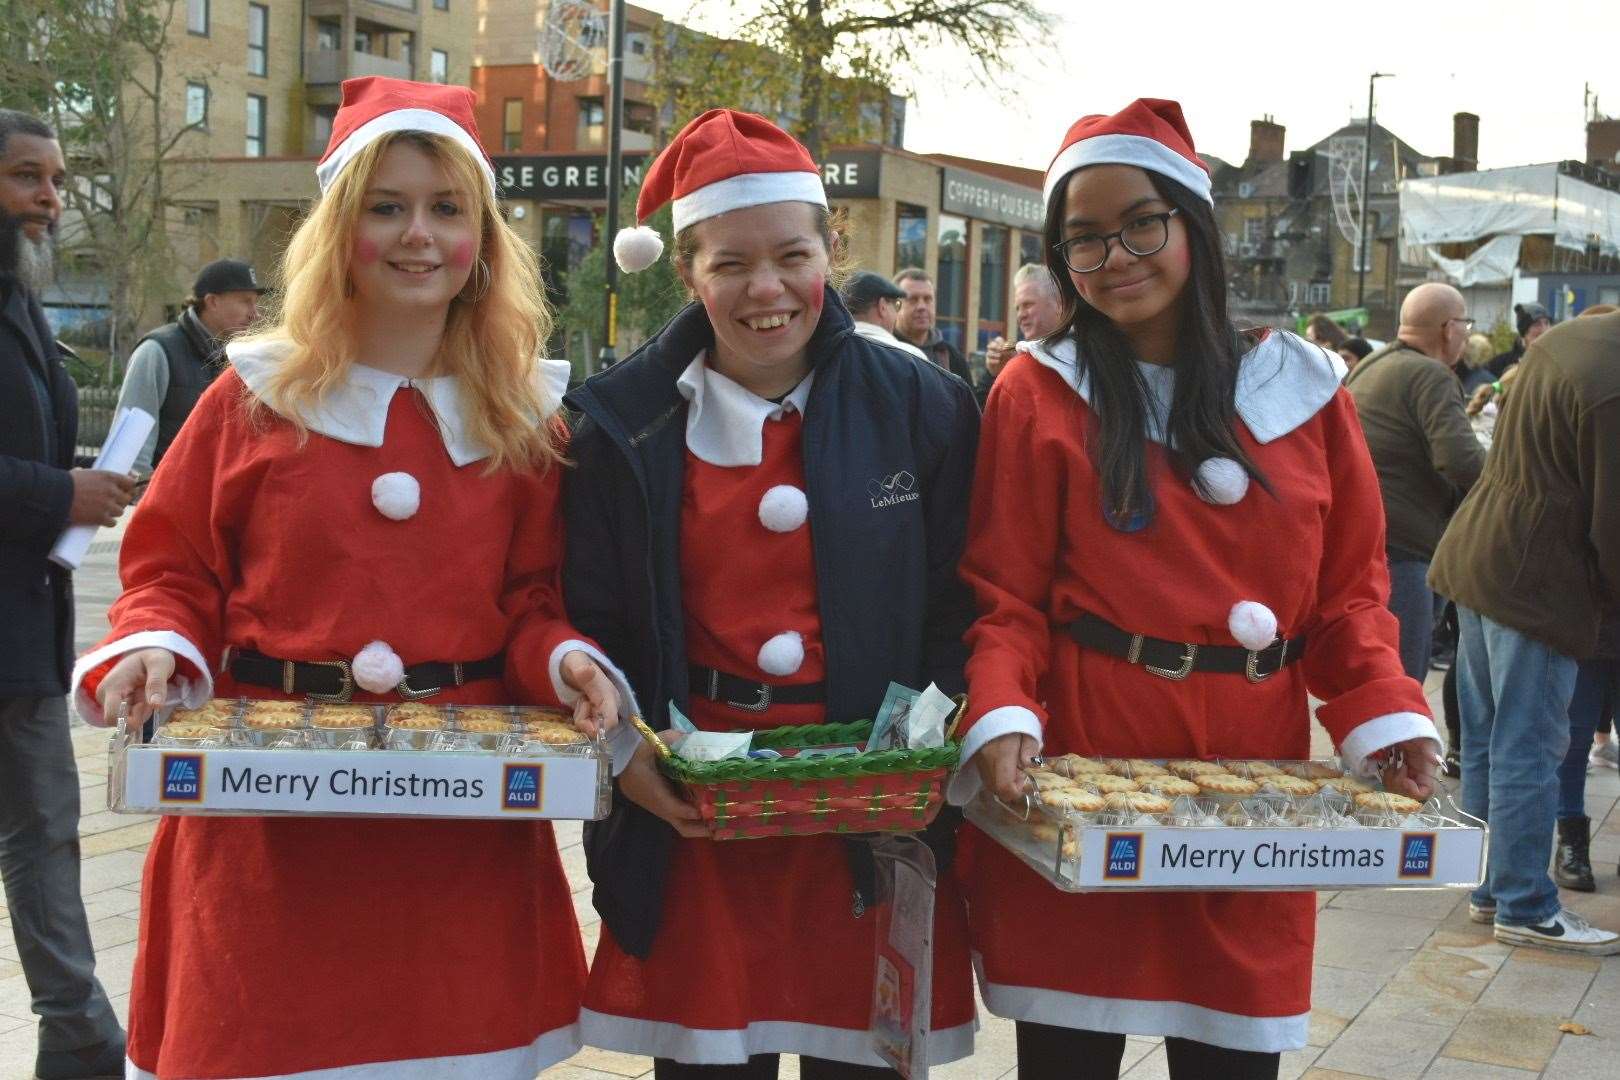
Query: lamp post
(1366, 200)
(615, 180)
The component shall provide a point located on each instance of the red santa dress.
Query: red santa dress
(760, 950)
(345, 948)
(1229, 969)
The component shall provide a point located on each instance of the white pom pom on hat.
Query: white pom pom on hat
(783, 654)
(783, 508)
(637, 248)
(396, 495)
(1221, 481)
(377, 668)
(1253, 624)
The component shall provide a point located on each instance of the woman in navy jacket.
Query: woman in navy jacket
(764, 523)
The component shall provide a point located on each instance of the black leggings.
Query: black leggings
(763, 1067)
(1055, 1053)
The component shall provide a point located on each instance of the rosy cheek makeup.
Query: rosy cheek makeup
(818, 294)
(463, 254)
(366, 251)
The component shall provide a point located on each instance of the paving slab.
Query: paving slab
(1387, 1048)
(1509, 1037)
(1445, 1068)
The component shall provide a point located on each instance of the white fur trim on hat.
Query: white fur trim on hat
(783, 508)
(637, 248)
(377, 668)
(783, 654)
(1224, 481)
(1253, 625)
(396, 495)
(748, 189)
(434, 123)
(1120, 149)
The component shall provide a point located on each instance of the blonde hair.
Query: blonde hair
(492, 341)
(1479, 350)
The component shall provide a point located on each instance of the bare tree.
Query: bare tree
(826, 67)
(97, 71)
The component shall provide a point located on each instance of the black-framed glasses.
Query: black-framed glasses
(1145, 235)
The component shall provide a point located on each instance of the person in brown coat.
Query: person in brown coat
(1424, 449)
(1532, 559)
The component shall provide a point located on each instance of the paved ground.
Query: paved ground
(1405, 985)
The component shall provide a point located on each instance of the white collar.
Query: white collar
(356, 410)
(725, 423)
(1282, 382)
(874, 332)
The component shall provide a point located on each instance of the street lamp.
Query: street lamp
(1366, 200)
(615, 181)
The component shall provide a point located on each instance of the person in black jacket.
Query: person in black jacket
(917, 323)
(40, 495)
(764, 522)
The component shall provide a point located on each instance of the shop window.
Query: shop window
(993, 244)
(1029, 249)
(910, 236)
(950, 283)
(512, 125)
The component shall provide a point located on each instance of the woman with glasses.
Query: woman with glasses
(1176, 534)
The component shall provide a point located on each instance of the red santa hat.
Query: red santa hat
(1149, 133)
(724, 160)
(375, 106)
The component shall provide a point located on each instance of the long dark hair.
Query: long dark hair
(1208, 348)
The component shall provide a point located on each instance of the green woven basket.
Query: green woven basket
(885, 791)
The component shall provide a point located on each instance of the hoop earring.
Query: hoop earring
(479, 267)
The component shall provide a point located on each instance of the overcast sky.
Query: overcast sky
(1520, 66)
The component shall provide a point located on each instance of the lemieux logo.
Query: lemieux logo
(892, 490)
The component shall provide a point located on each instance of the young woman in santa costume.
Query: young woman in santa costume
(1176, 535)
(764, 525)
(368, 496)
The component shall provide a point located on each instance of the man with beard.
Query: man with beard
(40, 495)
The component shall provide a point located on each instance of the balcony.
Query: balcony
(327, 66)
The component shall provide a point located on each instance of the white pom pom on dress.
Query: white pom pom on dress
(396, 495)
(783, 508)
(377, 668)
(1221, 481)
(1253, 624)
(783, 654)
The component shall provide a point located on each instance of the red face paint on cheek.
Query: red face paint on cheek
(463, 255)
(366, 251)
(818, 295)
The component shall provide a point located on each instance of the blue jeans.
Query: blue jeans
(1412, 603)
(1514, 695)
(1597, 685)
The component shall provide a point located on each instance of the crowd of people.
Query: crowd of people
(1161, 538)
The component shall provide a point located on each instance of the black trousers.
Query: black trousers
(763, 1067)
(1056, 1053)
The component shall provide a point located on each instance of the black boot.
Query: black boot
(1572, 862)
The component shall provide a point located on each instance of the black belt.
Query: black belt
(750, 696)
(1178, 659)
(333, 680)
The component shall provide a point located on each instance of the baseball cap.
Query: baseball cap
(865, 288)
(1528, 314)
(226, 275)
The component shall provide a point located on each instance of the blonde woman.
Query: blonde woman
(367, 498)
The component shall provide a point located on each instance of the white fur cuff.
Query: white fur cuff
(1007, 720)
(1374, 735)
(624, 739)
(183, 689)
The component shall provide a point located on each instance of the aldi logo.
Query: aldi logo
(1417, 855)
(182, 778)
(1124, 857)
(521, 787)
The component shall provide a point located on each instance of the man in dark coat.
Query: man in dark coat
(40, 495)
(917, 324)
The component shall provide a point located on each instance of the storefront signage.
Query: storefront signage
(848, 174)
(562, 176)
(983, 197)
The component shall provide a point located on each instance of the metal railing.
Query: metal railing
(96, 407)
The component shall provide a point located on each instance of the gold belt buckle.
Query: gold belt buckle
(1189, 657)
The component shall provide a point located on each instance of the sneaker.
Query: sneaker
(1604, 755)
(1566, 932)
(1481, 913)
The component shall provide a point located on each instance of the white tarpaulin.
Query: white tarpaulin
(1492, 264)
(1521, 201)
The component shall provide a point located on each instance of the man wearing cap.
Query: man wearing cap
(874, 302)
(173, 365)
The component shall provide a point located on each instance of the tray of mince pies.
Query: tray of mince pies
(1088, 824)
(259, 757)
(306, 725)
